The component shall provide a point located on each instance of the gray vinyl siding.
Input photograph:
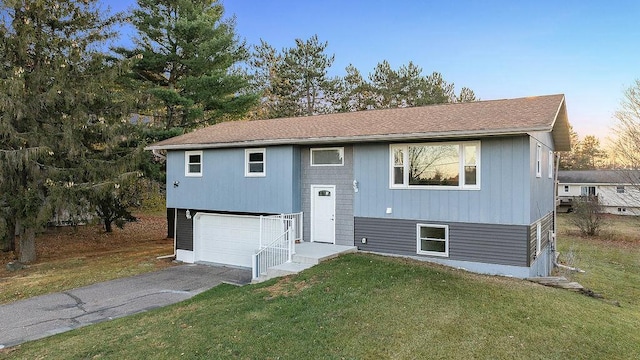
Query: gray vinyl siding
(223, 186)
(503, 198)
(184, 230)
(342, 178)
(546, 225)
(542, 189)
(171, 222)
(485, 243)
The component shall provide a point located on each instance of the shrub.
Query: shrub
(587, 215)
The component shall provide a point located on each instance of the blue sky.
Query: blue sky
(588, 50)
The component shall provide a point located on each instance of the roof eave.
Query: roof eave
(350, 139)
(560, 128)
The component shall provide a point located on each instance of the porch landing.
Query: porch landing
(307, 255)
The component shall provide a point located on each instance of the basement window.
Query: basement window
(433, 240)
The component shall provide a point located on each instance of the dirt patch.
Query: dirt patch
(69, 257)
(286, 287)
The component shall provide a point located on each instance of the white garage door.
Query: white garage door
(226, 239)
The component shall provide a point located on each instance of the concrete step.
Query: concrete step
(283, 270)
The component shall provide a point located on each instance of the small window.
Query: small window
(566, 188)
(539, 160)
(620, 189)
(193, 163)
(433, 239)
(327, 157)
(550, 164)
(255, 162)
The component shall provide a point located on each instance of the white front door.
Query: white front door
(323, 213)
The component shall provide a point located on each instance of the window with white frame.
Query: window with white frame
(435, 165)
(538, 237)
(566, 188)
(620, 189)
(550, 164)
(255, 162)
(327, 156)
(193, 163)
(433, 239)
(538, 160)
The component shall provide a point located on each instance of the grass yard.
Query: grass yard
(363, 306)
(611, 260)
(70, 258)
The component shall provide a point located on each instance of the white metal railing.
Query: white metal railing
(278, 234)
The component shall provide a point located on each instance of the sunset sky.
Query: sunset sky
(588, 50)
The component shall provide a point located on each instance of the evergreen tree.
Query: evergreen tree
(294, 81)
(585, 154)
(187, 67)
(306, 68)
(352, 92)
(407, 87)
(466, 95)
(57, 102)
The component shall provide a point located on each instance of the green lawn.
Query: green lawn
(611, 260)
(363, 306)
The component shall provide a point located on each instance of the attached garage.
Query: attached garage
(225, 239)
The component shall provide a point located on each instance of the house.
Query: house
(467, 185)
(616, 190)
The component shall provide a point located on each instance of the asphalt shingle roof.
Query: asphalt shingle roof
(599, 176)
(481, 118)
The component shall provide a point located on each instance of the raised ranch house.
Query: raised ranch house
(616, 190)
(468, 185)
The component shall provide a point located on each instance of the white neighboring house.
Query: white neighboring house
(616, 190)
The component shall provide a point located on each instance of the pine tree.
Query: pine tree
(58, 99)
(187, 68)
(407, 87)
(293, 82)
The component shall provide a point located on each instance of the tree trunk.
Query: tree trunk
(9, 238)
(27, 246)
(107, 226)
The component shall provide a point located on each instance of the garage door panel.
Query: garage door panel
(226, 239)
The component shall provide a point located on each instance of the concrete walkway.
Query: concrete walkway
(46, 315)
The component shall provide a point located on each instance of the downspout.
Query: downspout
(157, 154)
(175, 214)
(554, 252)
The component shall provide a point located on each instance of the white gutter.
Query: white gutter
(157, 154)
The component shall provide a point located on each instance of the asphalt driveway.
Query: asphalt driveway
(46, 315)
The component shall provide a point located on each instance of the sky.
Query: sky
(587, 50)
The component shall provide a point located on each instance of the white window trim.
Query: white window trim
(550, 164)
(405, 161)
(186, 163)
(538, 238)
(538, 160)
(248, 152)
(340, 150)
(432, 253)
(566, 188)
